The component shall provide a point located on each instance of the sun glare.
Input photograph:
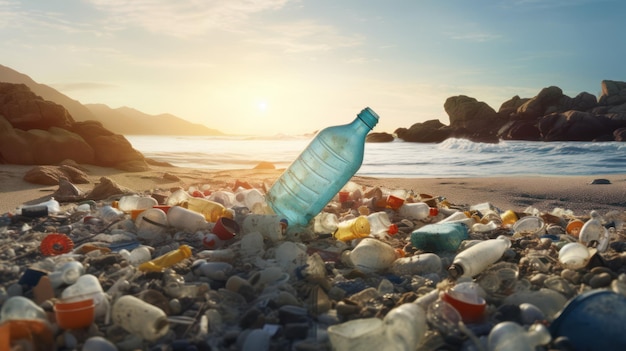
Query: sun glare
(262, 105)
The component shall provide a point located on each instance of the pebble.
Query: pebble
(243, 296)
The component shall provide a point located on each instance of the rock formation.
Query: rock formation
(548, 116)
(38, 132)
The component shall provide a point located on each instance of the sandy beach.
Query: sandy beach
(576, 193)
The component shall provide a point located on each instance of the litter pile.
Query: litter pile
(376, 269)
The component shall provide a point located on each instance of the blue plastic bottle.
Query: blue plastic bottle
(321, 170)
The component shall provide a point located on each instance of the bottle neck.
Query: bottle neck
(369, 117)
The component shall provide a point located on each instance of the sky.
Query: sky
(272, 67)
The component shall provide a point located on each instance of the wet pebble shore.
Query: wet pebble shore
(253, 282)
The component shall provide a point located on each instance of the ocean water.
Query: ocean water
(451, 158)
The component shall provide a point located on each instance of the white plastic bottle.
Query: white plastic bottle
(470, 262)
(414, 210)
(128, 203)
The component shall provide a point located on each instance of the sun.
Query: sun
(262, 106)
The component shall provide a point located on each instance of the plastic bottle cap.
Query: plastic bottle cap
(56, 244)
(433, 211)
(393, 229)
(455, 270)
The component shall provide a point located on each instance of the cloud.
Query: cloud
(304, 36)
(182, 18)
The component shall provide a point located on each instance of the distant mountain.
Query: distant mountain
(124, 120)
(135, 122)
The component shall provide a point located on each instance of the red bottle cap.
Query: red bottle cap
(433, 211)
(393, 229)
(56, 244)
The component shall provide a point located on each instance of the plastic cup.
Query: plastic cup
(470, 312)
(75, 314)
(529, 226)
(225, 228)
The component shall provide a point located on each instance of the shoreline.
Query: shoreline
(575, 193)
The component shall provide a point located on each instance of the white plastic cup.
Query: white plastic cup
(139, 318)
(574, 255)
(87, 286)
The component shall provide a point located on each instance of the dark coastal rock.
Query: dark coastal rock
(38, 132)
(619, 134)
(519, 130)
(548, 116)
(379, 138)
(537, 106)
(431, 131)
(613, 92)
(465, 111)
(25, 110)
(573, 126)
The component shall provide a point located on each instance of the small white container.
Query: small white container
(139, 318)
(185, 219)
(372, 255)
